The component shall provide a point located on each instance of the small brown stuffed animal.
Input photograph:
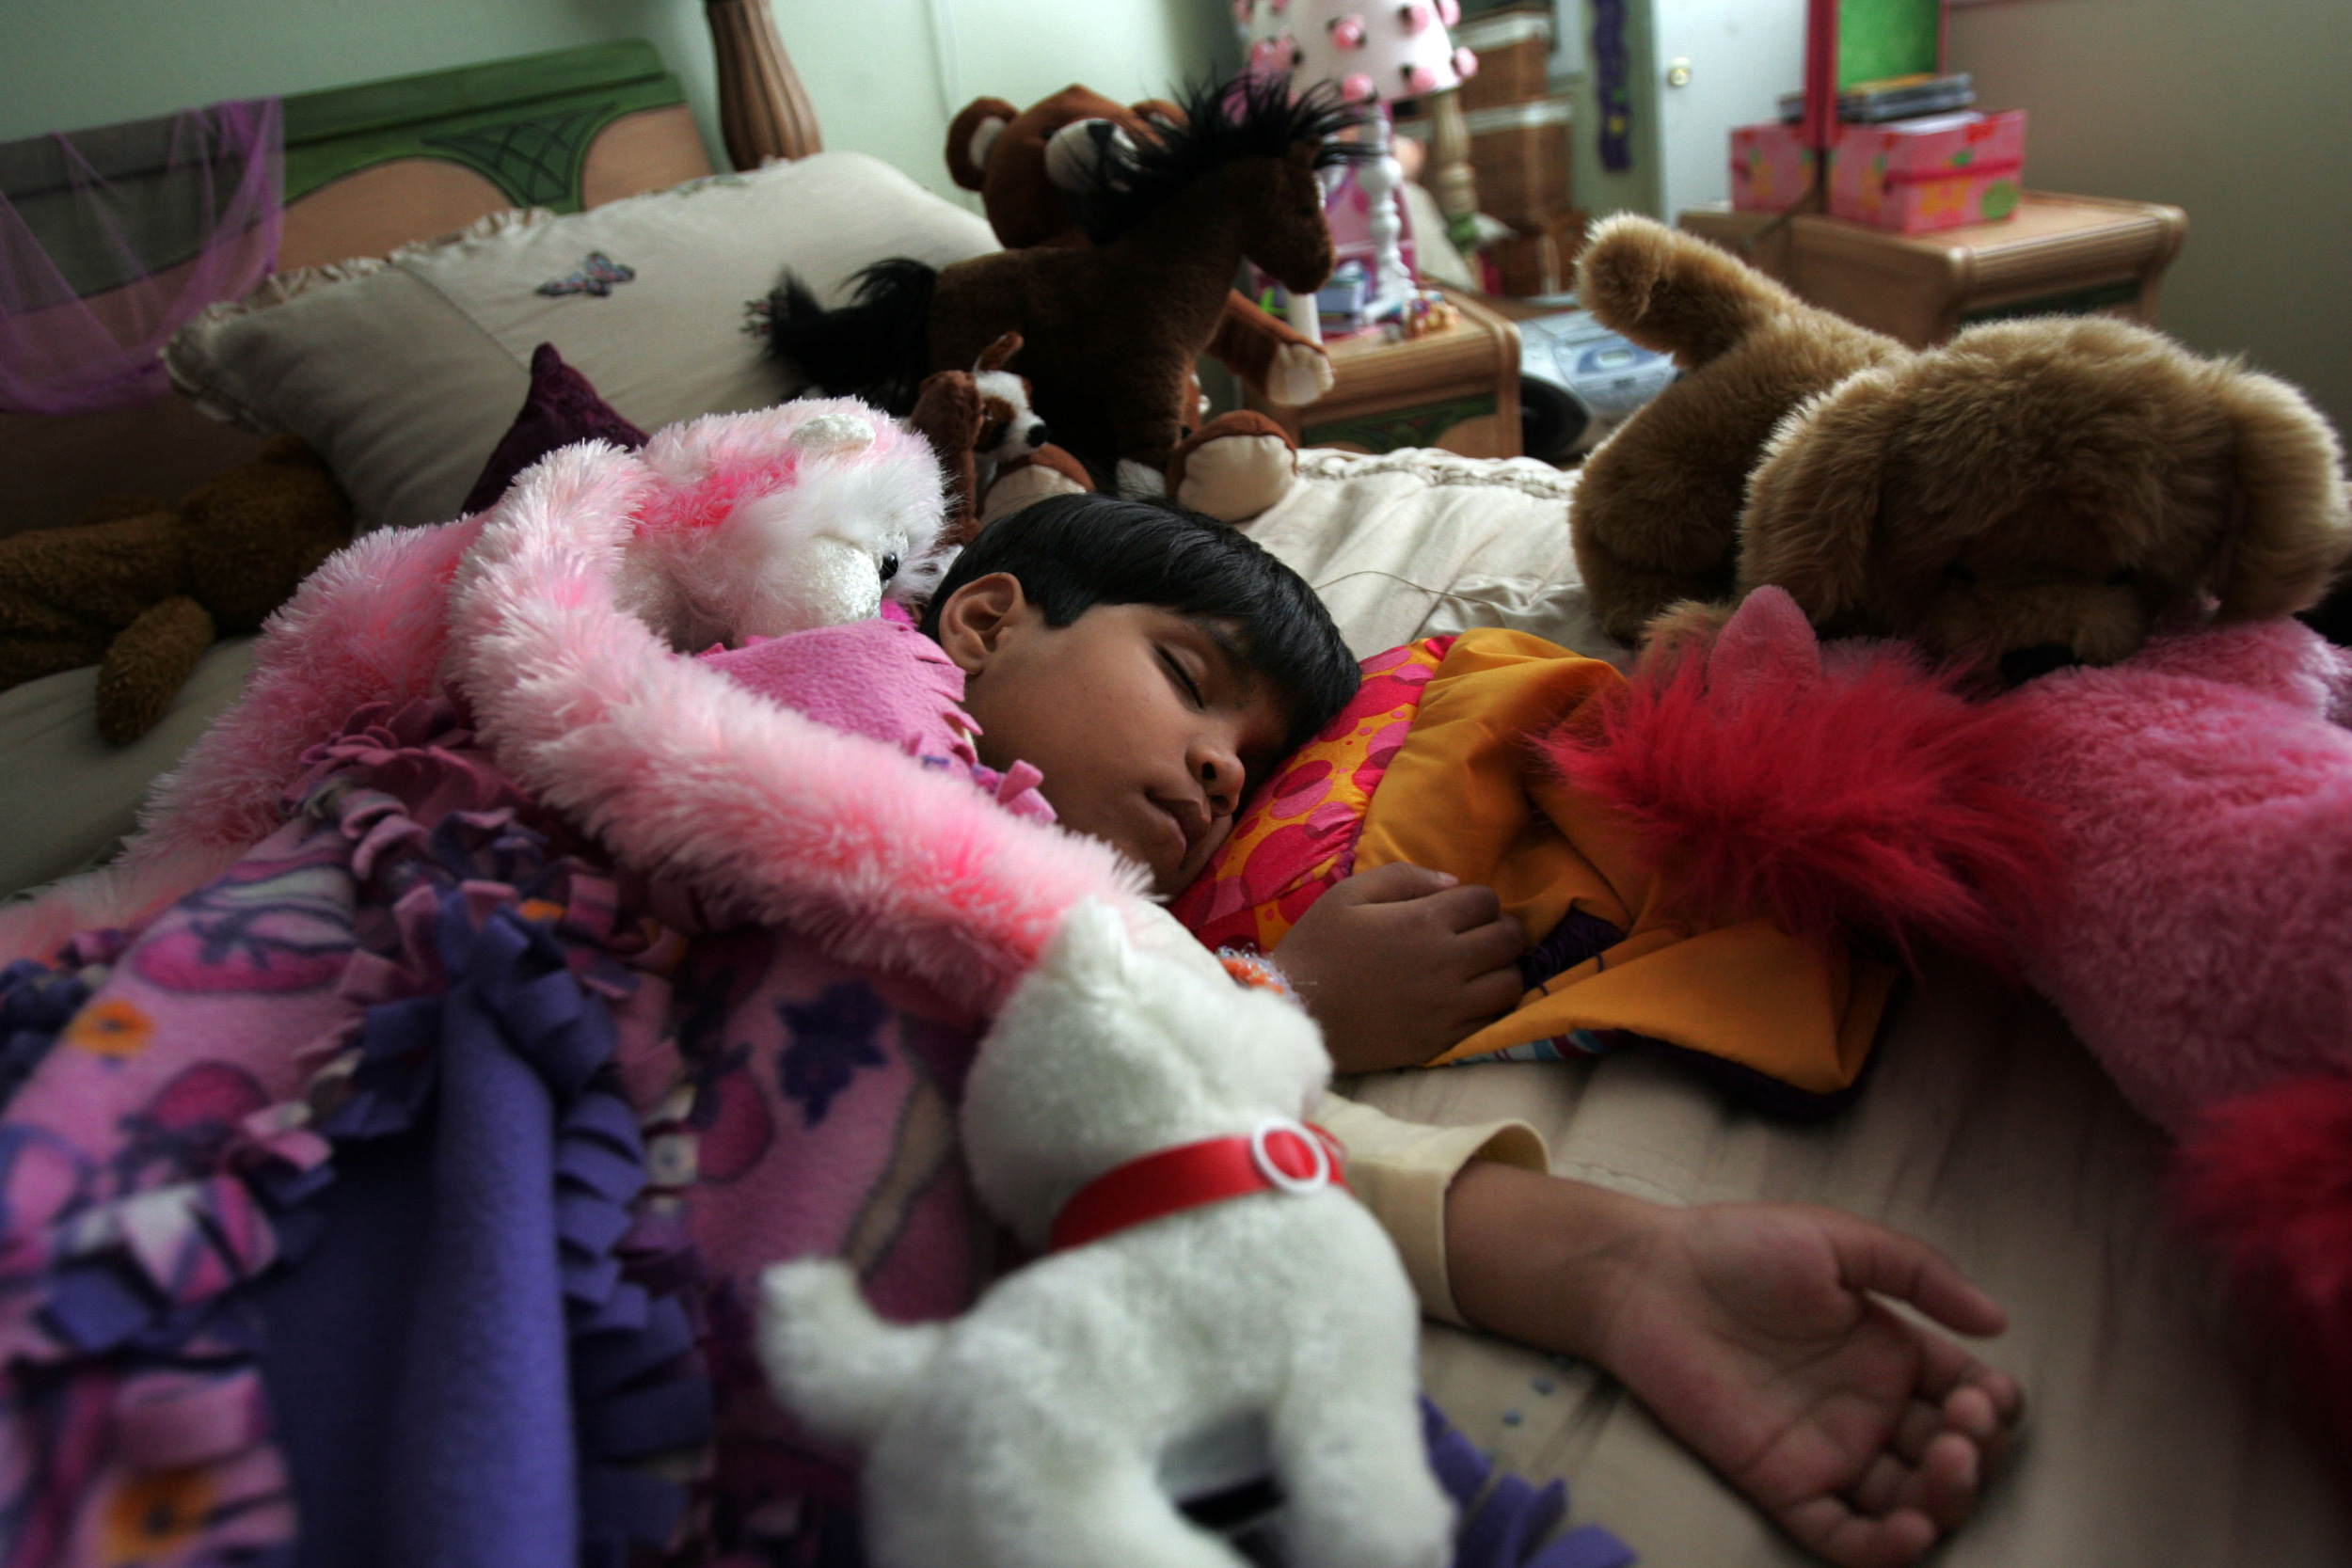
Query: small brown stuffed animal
(981, 426)
(2031, 495)
(142, 596)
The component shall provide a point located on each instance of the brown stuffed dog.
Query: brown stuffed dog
(992, 448)
(142, 596)
(1657, 504)
(1024, 163)
(2031, 495)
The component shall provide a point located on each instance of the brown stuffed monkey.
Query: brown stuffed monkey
(992, 448)
(144, 595)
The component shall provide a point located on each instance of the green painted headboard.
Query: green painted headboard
(524, 124)
(367, 168)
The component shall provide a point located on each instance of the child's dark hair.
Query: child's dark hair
(1073, 553)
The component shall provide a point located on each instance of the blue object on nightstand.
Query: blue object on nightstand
(1579, 380)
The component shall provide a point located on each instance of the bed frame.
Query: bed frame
(373, 167)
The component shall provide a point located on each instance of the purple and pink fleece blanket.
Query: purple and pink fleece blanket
(392, 1138)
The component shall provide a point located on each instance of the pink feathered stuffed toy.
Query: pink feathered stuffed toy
(2200, 795)
(2163, 848)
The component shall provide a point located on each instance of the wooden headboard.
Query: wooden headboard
(373, 167)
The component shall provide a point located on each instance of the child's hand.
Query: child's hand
(1757, 1334)
(1399, 963)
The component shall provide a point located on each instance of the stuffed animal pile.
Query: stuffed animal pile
(1028, 166)
(2031, 495)
(1123, 229)
(1030, 1432)
(2117, 532)
(143, 595)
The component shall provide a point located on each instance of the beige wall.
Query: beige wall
(2239, 111)
(885, 74)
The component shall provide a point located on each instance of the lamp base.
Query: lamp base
(1382, 178)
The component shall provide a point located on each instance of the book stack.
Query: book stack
(1891, 98)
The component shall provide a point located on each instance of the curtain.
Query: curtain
(111, 238)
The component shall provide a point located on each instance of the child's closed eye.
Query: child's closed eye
(1182, 677)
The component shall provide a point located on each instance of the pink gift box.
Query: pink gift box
(1770, 166)
(1907, 175)
(1938, 172)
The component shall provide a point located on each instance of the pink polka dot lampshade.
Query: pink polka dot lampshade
(1374, 51)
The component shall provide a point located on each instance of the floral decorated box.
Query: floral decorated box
(1771, 168)
(1938, 172)
(1907, 175)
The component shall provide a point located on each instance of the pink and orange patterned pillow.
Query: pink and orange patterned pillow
(1298, 837)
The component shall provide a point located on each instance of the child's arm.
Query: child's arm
(1399, 963)
(1402, 1170)
(1754, 1333)
(1759, 1335)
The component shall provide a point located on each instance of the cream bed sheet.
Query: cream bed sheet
(1985, 1129)
(66, 797)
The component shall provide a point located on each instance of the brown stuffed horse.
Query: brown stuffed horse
(1013, 159)
(1112, 330)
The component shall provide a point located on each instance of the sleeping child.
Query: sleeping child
(1155, 667)
(393, 1148)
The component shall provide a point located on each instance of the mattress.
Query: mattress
(66, 796)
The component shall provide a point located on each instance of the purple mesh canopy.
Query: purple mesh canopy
(111, 238)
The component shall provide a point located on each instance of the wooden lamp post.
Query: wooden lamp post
(764, 112)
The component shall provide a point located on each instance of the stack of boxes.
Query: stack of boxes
(1921, 223)
(1518, 151)
(1908, 153)
(1910, 176)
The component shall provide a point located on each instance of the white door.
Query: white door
(1719, 63)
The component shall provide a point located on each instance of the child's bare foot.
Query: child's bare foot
(1754, 1333)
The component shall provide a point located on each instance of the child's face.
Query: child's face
(1147, 727)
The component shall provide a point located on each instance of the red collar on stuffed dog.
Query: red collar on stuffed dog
(1283, 1155)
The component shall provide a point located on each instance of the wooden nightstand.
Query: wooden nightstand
(2060, 254)
(1457, 388)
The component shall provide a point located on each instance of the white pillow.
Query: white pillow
(1417, 543)
(404, 372)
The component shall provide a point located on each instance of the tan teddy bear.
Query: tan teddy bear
(2033, 494)
(143, 595)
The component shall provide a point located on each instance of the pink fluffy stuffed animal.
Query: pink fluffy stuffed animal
(810, 513)
(2201, 797)
(2163, 848)
(2201, 945)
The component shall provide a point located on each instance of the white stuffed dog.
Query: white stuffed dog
(1030, 1432)
(809, 513)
